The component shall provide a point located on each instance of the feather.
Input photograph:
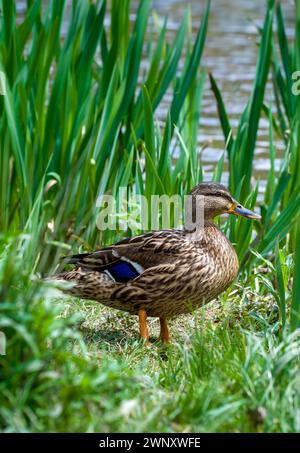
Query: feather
(143, 252)
(122, 271)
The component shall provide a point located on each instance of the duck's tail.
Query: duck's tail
(85, 284)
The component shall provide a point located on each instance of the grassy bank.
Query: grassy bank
(76, 366)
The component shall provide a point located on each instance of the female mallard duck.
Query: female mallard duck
(164, 273)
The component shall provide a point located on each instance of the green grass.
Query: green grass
(77, 366)
(74, 365)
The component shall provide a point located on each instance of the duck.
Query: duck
(163, 273)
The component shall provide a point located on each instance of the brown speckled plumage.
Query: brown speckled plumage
(179, 270)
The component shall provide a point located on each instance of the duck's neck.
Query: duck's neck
(196, 234)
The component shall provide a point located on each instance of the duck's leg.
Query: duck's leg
(164, 331)
(143, 325)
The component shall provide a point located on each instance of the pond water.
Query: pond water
(230, 54)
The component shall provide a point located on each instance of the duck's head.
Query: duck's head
(215, 200)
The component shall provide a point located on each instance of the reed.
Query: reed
(280, 209)
(76, 109)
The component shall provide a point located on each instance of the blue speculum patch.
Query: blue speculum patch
(122, 271)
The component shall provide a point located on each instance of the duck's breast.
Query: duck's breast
(220, 263)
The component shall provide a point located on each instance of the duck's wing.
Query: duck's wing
(129, 258)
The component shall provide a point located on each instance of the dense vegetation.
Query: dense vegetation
(78, 120)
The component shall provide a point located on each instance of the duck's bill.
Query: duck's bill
(240, 210)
